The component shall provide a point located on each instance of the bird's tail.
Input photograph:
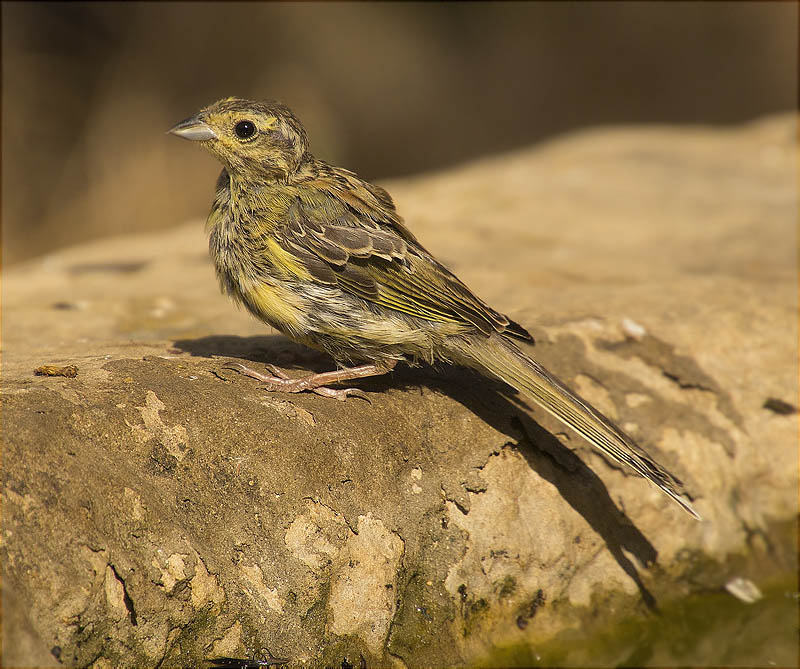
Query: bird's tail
(500, 358)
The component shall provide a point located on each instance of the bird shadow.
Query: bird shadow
(496, 404)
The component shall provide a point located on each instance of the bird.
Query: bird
(324, 257)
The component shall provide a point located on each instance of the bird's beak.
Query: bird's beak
(194, 129)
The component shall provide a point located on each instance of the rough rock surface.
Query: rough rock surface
(158, 510)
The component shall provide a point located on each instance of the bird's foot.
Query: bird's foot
(279, 381)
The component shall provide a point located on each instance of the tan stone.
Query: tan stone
(656, 268)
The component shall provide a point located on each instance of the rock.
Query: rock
(159, 510)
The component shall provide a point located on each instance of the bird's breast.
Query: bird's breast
(255, 274)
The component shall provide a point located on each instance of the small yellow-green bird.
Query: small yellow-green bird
(323, 256)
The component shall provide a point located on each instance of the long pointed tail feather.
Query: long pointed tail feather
(502, 359)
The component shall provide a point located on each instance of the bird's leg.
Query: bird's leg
(280, 381)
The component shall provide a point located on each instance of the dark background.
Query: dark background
(384, 89)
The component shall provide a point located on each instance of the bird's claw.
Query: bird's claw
(280, 381)
(341, 394)
(277, 371)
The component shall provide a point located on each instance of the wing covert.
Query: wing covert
(377, 264)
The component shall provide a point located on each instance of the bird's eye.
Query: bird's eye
(245, 129)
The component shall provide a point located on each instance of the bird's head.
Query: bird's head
(253, 140)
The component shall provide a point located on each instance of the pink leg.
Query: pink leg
(280, 381)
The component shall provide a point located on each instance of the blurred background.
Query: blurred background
(385, 89)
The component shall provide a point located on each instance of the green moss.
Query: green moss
(708, 628)
(419, 632)
(475, 611)
(505, 587)
(691, 619)
(345, 653)
(183, 649)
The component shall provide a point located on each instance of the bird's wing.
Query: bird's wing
(367, 252)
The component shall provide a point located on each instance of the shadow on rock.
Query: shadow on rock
(262, 349)
(496, 404)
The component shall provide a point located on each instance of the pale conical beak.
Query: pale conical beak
(194, 129)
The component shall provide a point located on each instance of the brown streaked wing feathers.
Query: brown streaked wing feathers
(377, 260)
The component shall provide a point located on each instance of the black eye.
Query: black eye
(245, 129)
